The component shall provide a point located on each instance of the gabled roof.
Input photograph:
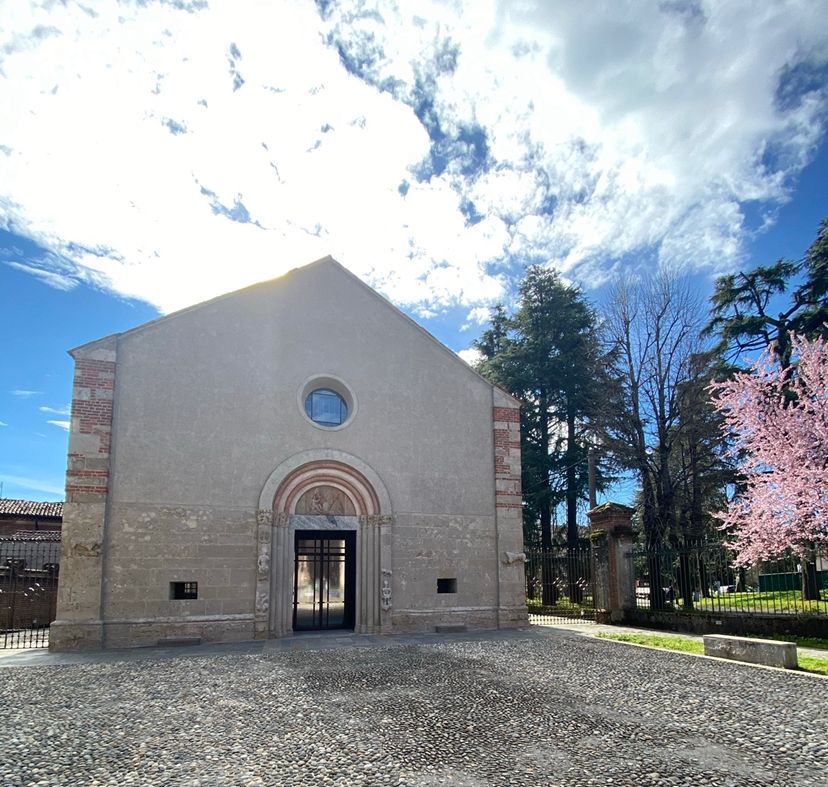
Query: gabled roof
(30, 508)
(335, 265)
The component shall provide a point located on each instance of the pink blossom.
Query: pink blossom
(780, 441)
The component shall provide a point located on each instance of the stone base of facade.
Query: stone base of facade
(94, 635)
(472, 618)
(513, 617)
(68, 635)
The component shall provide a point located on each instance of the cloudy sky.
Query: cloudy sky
(155, 154)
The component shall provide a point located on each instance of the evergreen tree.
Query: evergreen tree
(752, 310)
(548, 355)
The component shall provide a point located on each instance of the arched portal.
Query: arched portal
(324, 547)
(335, 483)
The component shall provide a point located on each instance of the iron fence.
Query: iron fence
(702, 577)
(559, 585)
(29, 570)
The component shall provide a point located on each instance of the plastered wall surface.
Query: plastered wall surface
(208, 402)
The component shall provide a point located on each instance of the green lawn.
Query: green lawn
(804, 642)
(780, 601)
(696, 646)
(536, 606)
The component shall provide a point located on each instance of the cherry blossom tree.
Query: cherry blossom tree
(777, 416)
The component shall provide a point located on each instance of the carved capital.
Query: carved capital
(281, 519)
(513, 557)
(264, 516)
(377, 520)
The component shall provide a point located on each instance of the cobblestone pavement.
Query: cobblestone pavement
(540, 707)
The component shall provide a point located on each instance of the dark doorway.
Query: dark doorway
(324, 580)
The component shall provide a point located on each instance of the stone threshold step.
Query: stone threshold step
(165, 641)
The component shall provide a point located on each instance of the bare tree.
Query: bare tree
(652, 332)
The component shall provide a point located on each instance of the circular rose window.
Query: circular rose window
(327, 402)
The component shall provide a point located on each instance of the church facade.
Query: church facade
(297, 455)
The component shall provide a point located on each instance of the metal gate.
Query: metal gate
(29, 569)
(559, 585)
(324, 585)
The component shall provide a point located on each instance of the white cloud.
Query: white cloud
(3, 423)
(62, 424)
(24, 394)
(470, 355)
(52, 278)
(476, 317)
(56, 410)
(50, 486)
(173, 155)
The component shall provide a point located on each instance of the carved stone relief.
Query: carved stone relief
(325, 500)
(513, 557)
(263, 561)
(385, 592)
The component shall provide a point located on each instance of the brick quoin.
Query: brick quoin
(507, 451)
(94, 414)
(94, 381)
(89, 473)
(73, 489)
(509, 414)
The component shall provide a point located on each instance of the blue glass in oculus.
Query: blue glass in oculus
(326, 407)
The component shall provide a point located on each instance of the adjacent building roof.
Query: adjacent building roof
(31, 508)
(33, 535)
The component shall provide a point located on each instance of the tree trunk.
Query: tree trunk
(654, 569)
(576, 593)
(657, 598)
(704, 577)
(549, 590)
(686, 577)
(810, 581)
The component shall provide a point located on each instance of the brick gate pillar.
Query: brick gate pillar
(612, 539)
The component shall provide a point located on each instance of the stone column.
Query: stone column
(374, 593)
(264, 551)
(364, 567)
(79, 624)
(281, 580)
(612, 540)
(386, 577)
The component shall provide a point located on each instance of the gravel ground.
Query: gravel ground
(533, 708)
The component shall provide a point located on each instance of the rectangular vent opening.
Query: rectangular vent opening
(183, 590)
(447, 585)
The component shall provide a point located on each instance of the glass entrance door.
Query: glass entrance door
(324, 580)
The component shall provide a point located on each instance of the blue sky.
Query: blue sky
(156, 154)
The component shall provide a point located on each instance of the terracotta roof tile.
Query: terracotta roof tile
(30, 508)
(33, 535)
